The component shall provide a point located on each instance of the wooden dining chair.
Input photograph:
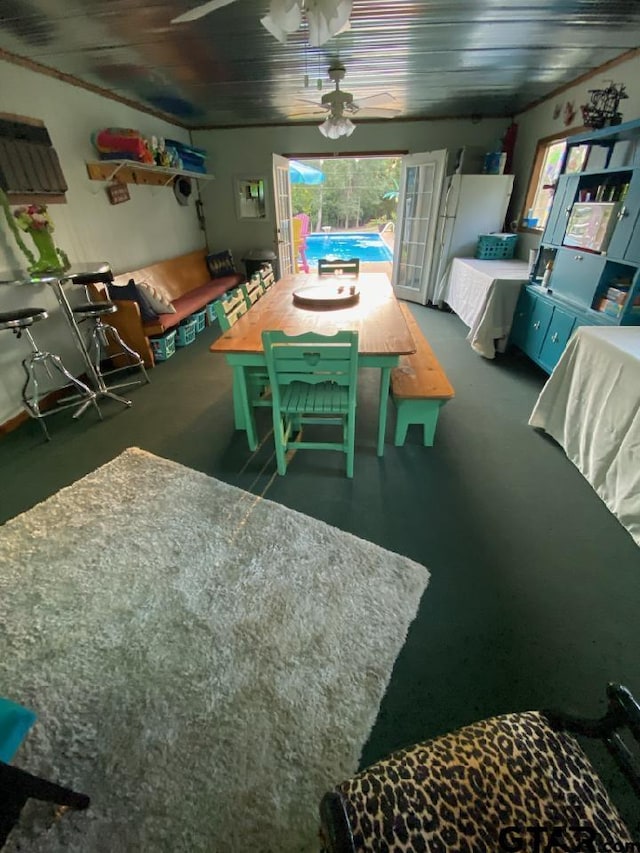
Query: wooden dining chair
(313, 380)
(300, 231)
(329, 266)
(230, 307)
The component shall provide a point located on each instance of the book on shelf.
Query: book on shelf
(597, 159)
(618, 293)
(621, 154)
(615, 307)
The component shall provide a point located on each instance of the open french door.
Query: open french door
(421, 184)
(284, 219)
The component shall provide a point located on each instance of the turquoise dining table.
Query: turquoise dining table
(383, 335)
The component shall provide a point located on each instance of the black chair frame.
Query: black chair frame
(17, 786)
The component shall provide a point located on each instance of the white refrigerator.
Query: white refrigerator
(441, 211)
(470, 205)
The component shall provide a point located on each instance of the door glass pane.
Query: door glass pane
(415, 220)
(283, 218)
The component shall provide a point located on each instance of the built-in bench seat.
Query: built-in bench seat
(419, 387)
(184, 281)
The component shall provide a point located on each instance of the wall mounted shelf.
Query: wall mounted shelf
(132, 172)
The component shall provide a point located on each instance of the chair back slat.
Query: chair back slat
(230, 307)
(252, 289)
(311, 358)
(313, 380)
(331, 266)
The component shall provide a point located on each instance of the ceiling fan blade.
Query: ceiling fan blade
(309, 111)
(310, 115)
(201, 11)
(318, 106)
(375, 112)
(382, 99)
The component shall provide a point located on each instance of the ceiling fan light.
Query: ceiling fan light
(326, 18)
(348, 127)
(285, 16)
(334, 127)
(325, 128)
(277, 32)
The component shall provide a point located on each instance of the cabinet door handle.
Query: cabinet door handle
(578, 257)
(623, 212)
(567, 210)
(554, 338)
(536, 325)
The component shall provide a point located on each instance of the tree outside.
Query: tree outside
(358, 194)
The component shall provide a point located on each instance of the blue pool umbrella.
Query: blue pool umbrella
(301, 174)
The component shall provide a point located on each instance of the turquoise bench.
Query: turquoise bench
(419, 387)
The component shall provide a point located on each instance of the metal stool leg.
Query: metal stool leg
(100, 341)
(32, 401)
(30, 390)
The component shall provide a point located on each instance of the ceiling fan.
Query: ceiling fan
(325, 18)
(339, 106)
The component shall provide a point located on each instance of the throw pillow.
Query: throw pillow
(157, 301)
(220, 264)
(130, 293)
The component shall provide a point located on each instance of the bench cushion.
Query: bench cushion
(193, 301)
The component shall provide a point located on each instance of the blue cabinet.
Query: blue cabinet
(574, 271)
(622, 243)
(542, 326)
(566, 192)
(596, 279)
(531, 321)
(556, 338)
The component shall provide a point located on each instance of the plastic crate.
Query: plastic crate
(201, 320)
(496, 246)
(211, 312)
(163, 346)
(186, 332)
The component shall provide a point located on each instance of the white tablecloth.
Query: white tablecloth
(484, 295)
(591, 406)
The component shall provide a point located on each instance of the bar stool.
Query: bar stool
(104, 334)
(19, 321)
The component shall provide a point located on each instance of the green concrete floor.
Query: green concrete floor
(534, 588)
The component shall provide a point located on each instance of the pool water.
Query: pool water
(366, 245)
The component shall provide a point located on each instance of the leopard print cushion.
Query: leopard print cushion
(457, 793)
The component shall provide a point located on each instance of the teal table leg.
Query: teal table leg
(385, 377)
(243, 411)
(238, 410)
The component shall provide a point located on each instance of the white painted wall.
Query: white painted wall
(248, 153)
(150, 227)
(538, 123)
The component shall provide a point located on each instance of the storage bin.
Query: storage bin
(201, 320)
(186, 332)
(211, 312)
(163, 346)
(493, 247)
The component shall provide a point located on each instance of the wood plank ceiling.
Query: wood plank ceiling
(453, 58)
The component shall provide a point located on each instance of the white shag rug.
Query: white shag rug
(204, 663)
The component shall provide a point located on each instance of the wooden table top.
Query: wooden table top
(377, 317)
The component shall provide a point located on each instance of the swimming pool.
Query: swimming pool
(366, 245)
